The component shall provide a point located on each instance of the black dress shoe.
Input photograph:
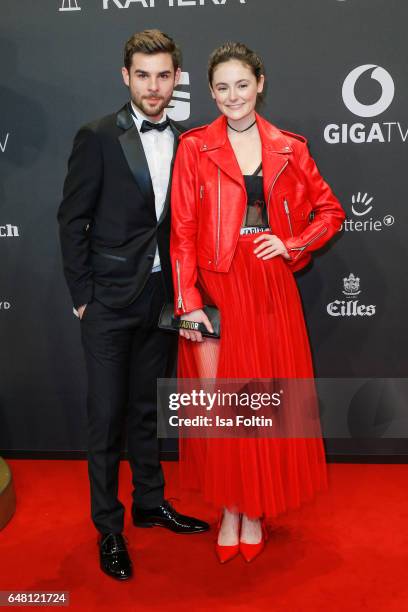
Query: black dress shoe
(114, 557)
(166, 516)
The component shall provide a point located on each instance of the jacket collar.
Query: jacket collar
(273, 141)
(133, 151)
(275, 150)
(124, 119)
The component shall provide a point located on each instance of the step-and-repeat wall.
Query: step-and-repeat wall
(336, 72)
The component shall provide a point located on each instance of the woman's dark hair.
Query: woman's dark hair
(238, 51)
(151, 42)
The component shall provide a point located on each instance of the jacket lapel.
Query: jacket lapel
(134, 153)
(220, 151)
(275, 153)
(176, 129)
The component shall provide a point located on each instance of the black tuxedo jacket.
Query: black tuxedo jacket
(108, 225)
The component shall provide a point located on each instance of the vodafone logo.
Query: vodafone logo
(369, 132)
(387, 91)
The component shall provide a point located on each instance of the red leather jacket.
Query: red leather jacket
(208, 203)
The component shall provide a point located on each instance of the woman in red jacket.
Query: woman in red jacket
(248, 208)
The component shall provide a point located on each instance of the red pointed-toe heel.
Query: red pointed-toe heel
(251, 551)
(225, 553)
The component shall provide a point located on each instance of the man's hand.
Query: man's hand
(270, 246)
(198, 316)
(81, 310)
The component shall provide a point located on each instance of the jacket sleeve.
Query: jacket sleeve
(81, 189)
(184, 224)
(328, 213)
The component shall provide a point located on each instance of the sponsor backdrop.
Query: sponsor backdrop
(336, 72)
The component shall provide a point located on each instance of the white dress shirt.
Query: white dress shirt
(158, 148)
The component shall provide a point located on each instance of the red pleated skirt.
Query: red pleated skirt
(263, 335)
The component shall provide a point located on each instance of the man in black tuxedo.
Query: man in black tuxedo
(114, 230)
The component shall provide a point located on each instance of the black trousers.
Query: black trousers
(125, 353)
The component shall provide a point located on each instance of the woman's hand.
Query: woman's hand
(270, 246)
(198, 316)
(81, 310)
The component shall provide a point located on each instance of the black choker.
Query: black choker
(240, 131)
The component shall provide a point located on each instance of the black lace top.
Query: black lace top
(256, 213)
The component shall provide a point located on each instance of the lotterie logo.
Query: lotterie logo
(363, 218)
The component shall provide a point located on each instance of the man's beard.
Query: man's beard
(162, 103)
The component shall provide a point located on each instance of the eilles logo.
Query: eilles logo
(351, 285)
(350, 307)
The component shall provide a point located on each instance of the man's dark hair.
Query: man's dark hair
(151, 42)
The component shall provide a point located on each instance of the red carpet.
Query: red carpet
(346, 551)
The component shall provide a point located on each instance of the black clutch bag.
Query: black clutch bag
(169, 322)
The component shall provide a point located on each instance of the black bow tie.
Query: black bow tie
(148, 125)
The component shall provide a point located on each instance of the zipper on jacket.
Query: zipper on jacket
(201, 192)
(180, 304)
(302, 248)
(217, 246)
(286, 206)
(272, 186)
